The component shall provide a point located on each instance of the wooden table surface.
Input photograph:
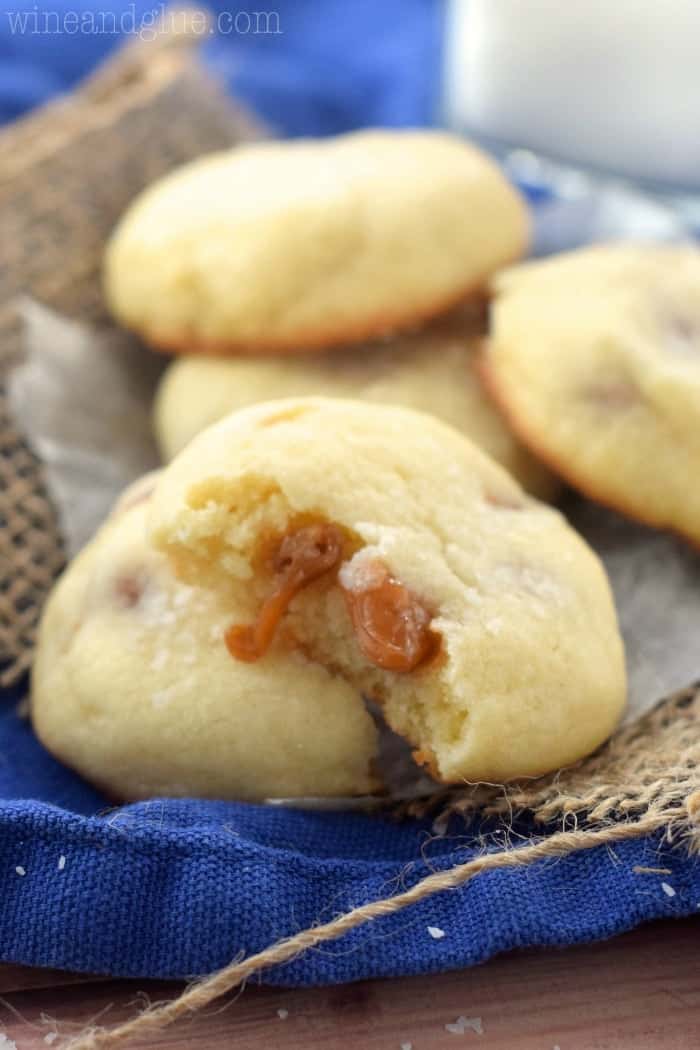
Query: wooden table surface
(640, 991)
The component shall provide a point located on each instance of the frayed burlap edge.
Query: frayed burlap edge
(66, 174)
(651, 764)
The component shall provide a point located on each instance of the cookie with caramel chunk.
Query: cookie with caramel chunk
(286, 247)
(133, 685)
(594, 358)
(432, 370)
(384, 548)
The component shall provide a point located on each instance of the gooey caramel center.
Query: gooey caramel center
(302, 556)
(391, 625)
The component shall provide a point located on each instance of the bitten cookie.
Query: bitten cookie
(133, 687)
(433, 371)
(288, 246)
(594, 357)
(387, 550)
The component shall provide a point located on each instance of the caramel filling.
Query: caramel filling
(391, 625)
(302, 557)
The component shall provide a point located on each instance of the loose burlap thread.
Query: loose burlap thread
(66, 174)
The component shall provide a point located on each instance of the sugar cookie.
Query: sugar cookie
(397, 557)
(594, 357)
(133, 687)
(290, 246)
(432, 371)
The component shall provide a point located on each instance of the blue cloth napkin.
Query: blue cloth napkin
(178, 888)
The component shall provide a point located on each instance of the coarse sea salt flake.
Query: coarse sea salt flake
(361, 573)
(50, 1038)
(159, 660)
(61, 862)
(406, 1046)
(162, 697)
(436, 933)
(668, 889)
(20, 871)
(6, 1043)
(283, 1014)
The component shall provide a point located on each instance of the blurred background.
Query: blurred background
(592, 107)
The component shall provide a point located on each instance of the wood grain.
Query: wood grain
(639, 992)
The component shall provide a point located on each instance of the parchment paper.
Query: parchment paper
(83, 399)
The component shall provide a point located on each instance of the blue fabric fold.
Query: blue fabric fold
(171, 888)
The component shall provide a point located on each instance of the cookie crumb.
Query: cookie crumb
(436, 933)
(465, 1024)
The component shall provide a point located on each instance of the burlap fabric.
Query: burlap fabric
(650, 768)
(66, 174)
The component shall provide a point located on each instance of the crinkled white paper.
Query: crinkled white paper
(655, 578)
(83, 400)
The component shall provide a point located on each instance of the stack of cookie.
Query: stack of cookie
(284, 269)
(336, 536)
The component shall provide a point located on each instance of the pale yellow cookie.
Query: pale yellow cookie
(407, 564)
(134, 688)
(594, 357)
(291, 246)
(432, 371)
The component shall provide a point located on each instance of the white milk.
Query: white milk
(614, 84)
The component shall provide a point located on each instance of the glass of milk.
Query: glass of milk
(584, 97)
